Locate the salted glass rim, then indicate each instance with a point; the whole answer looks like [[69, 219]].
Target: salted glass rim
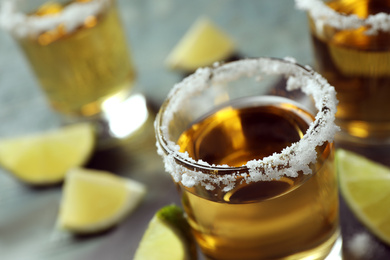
[[293, 159], [322, 14], [21, 25]]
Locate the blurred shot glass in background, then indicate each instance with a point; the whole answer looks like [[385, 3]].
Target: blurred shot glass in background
[[78, 52], [254, 164], [351, 41]]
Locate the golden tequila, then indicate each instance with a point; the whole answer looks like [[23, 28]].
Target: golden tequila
[[289, 218], [357, 64], [82, 68]]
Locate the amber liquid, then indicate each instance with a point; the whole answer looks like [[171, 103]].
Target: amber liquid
[[80, 70], [358, 66], [291, 218]]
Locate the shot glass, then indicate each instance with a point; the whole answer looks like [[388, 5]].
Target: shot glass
[[249, 145], [351, 42], [78, 52]]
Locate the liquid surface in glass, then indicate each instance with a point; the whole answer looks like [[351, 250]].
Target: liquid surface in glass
[[289, 218]]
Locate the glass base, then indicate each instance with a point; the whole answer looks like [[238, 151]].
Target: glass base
[[363, 133], [337, 249], [330, 250], [344, 138], [119, 120], [379, 152]]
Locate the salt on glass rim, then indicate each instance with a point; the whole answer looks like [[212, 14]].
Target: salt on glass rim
[[322, 14], [293, 159], [21, 25]]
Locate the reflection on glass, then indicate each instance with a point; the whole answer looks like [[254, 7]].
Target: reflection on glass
[[77, 50]]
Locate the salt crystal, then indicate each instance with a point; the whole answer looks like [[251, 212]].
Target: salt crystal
[[322, 15], [293, 159], [72, 16]]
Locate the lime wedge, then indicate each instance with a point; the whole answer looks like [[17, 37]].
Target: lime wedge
[[94, 201], [202, 45], [365, 185], [167, 237], [44, 158]]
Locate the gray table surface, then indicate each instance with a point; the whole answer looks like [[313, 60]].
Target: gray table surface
[[153, 27]]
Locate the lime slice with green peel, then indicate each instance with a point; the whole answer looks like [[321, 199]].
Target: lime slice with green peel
[[202, 45], [168, 237], [93, 201], [44, 158], [365, 185]]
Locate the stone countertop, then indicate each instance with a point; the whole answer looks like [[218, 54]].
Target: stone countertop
[[153, 27]]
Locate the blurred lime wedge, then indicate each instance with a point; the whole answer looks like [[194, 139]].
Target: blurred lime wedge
[[44, 158], [202, 45], [93, 201], [168, 237], [365, 185]]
